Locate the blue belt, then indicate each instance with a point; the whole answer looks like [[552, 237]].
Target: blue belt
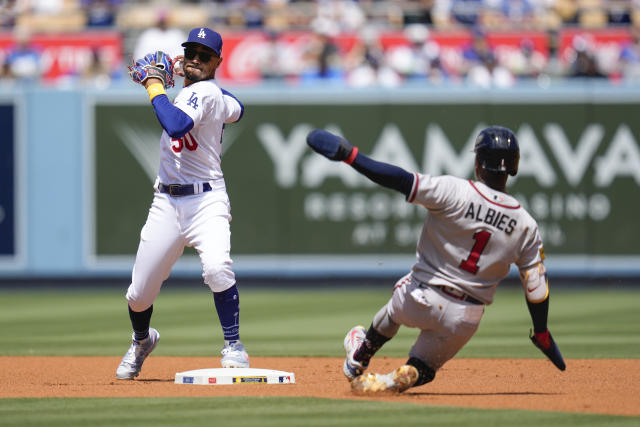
[[179, 190]]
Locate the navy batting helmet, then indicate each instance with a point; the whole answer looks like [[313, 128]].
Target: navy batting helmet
[[497, 150]]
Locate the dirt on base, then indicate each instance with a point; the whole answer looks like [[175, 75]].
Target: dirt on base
[[609, 386]]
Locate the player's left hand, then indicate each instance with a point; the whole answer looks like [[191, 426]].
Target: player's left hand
[[544, 341], [331, 146], [156, 65]]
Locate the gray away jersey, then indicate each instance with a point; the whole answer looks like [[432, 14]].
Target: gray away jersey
[[472, 235]]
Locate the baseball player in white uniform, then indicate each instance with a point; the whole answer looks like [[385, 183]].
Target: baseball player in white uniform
[[190, 205], [474, 231]]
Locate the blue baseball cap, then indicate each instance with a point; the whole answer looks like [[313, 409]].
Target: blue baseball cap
[[206, 37]]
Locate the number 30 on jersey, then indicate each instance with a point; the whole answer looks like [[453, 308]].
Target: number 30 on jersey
[[187, 141]]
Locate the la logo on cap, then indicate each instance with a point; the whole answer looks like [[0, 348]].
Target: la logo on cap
[[202, 34]]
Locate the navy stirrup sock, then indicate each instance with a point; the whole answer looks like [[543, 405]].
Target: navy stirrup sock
[[228, 308], [140, 321]]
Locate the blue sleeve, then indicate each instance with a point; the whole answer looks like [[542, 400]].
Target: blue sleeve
[[226, 92], [384, 174], [175, 121]]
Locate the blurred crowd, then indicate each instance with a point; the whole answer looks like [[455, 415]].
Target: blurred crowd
[[359, 43]]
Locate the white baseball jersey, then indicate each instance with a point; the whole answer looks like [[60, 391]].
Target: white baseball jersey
[[196, 156], [472, 235], [200, 221]]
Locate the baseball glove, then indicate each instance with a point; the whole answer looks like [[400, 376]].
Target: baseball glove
[[158, 65], [544, 341]]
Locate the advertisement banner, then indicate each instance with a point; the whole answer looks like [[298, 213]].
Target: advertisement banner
[[7, 178], [249, 57], [68, 54], [579, 173]]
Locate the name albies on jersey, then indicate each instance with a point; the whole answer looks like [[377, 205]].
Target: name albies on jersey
[[472, 235]]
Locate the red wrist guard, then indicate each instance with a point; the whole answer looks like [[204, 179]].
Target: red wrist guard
[[352, 156], [543, 338]]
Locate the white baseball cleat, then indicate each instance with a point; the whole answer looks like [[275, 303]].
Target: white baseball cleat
[[234, 355], [352, 341], [134, 357], [396, 381]]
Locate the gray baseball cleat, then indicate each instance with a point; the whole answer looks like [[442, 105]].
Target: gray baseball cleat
[[351, 367], [396, 381], [134, 357], [234, 355]]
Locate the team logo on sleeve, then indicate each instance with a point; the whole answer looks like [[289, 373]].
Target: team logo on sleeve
[[193, 101]]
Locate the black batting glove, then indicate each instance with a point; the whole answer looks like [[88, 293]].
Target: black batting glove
[[332, 146]]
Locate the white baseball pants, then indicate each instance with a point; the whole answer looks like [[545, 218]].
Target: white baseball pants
[[445, 324], [200, 221]]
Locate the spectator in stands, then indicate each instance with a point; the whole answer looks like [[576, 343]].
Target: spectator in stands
[[345, 15], [98, 72], [567, 10], [418, 12], [46, 7], [366, 64], [415, 61], [452, 13], [273, 59], [438, 73], [100, 13], [476, 52], [511, 13], [592, 13], [322, 58], [526, 62], [247, 14], [619, 12], [253, 17], [22, 63], [467, 12], [584, 63], [488, 73], [160, 37], [630, 56], [9, 11]]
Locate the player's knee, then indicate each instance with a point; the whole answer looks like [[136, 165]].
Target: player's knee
[[138, 302], [219, 277], [425, 373]]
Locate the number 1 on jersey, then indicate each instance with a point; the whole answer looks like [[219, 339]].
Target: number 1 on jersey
[[471, 263]]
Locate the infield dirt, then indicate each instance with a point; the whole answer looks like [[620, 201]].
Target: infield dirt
[[601, 386]]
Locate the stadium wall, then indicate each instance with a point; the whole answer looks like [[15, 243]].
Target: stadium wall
[[78, 167]]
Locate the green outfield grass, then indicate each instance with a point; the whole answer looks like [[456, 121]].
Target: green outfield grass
[[587, 323], [274, 411], [289, 322]]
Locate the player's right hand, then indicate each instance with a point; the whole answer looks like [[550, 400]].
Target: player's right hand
[[178, 63], [331, 146]]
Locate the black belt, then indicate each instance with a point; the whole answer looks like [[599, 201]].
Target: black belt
[[178, 190], [454, 293]]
